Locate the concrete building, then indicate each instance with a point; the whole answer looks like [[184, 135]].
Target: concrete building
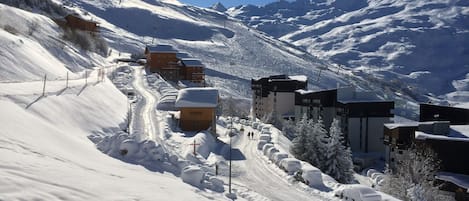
[[275, 95], [361, 114]]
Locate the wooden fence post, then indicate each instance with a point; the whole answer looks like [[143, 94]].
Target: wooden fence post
[[66, 84], [44, 86], [86, 77]]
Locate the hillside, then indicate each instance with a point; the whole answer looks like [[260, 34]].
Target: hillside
[[419, 46], [45, 150]]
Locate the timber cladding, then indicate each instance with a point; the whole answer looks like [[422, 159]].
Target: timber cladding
[[157, 61], [76, 22], [196, 119]]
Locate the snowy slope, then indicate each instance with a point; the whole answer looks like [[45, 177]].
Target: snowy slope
[[419, 46], [45, 153], [228, 48]]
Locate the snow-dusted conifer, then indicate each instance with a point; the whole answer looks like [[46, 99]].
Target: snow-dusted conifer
[[414, 176], [338, 158], [317, 143], [298, 148]]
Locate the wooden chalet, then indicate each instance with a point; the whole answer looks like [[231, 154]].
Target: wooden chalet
[[192, 70], [457, 116], [162, 59], [76, 22], [197, 108]]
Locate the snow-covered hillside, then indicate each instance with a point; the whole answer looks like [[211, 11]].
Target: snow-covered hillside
[[45, 153], [232, 53], [419, 46]]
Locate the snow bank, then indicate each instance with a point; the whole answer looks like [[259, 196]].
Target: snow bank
[[193, 175], [206, 144]]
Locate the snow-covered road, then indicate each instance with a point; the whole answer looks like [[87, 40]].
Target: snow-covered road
[[261, 176]]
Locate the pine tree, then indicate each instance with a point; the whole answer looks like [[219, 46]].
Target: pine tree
[[298, 148], [338, 158], [317, 144]]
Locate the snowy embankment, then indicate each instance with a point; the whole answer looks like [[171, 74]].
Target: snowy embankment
[[45, 153]]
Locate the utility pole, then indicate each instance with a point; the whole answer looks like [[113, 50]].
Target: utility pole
[[86, 77], [230, 134]]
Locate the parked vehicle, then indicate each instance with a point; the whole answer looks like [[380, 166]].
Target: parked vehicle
[[311, 176], [277, 157], [261, 144], [357, 192], [290, 165], [265, 137]]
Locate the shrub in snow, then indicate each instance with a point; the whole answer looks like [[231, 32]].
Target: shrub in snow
[[215, 184], [193, 175], [129, 148]]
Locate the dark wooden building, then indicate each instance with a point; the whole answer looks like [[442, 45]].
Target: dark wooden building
[[457, 116], [76, 22], [361, 116]]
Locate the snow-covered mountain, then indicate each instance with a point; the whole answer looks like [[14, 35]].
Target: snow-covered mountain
[[420, 45], [218, 7]]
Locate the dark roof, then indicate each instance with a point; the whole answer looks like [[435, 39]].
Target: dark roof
[[161, 49]]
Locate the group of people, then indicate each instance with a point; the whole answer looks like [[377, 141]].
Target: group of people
[[251, 135]]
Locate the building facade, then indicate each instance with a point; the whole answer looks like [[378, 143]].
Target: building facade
[[162, 59], [192, 70], [275, 95], [197, 108], [361, 115]]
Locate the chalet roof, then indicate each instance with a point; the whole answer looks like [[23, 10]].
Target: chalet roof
[[78, 16], [161, 49], [197, 98], [456, 133], [182, 55], [301, 78], [279, 78], [192, 62], [457, 179], [403, 124]]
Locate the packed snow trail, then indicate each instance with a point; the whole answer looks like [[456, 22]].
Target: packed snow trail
[[258, 174], [146, 111]]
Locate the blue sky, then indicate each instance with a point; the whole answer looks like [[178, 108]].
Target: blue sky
[[227, 3]]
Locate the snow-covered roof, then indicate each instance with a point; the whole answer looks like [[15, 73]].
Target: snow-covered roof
[[182, 55], [402, 124], [301, 78], [197, 98], [161, 49], [458, 179], [192, 62], [278, 78], [456, 133]]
